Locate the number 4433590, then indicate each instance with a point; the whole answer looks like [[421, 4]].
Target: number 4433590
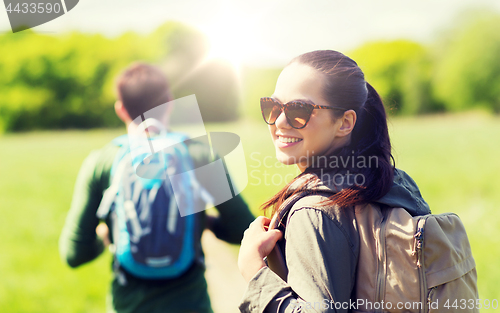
[[34, 8], [471, 304]]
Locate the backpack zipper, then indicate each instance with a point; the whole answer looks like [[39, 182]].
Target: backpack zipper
[[381, 259], [429, 296], [417, 250]]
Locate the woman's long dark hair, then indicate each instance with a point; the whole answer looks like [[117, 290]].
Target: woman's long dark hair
[[345, 87]]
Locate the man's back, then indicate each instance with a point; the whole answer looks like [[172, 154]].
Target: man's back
[[79, 243], [142, 89]]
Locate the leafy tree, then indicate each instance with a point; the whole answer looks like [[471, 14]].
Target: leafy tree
[[400, 71], [67, 81], [467, 68], [61, 82]]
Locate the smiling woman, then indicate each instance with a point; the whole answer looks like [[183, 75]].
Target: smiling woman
[[322, 109]]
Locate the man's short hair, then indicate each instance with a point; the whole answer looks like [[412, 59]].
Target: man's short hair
[[142, 87]]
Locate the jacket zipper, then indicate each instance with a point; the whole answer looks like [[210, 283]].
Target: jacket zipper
[[381, 260], [419, 242]]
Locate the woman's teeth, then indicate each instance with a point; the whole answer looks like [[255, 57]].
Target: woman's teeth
[[288, 139]]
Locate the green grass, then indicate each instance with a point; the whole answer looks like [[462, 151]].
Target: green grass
[[454, 159]]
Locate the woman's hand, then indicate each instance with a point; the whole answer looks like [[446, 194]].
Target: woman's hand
[[257, 243]]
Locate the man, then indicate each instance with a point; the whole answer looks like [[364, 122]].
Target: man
[[140, 88]]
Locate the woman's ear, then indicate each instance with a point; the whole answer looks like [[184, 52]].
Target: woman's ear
[[348, 122], [122, 113]]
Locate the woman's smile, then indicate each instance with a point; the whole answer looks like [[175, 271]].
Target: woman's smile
[[283, 141]]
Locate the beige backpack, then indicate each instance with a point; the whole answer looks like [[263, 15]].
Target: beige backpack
[[414, 264], [406, 264]]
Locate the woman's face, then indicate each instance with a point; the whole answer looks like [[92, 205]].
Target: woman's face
[[321, 135]]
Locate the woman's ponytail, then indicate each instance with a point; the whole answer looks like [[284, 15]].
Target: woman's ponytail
[[370, 141]]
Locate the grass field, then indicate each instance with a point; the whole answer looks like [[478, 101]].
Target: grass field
[[454, 159]]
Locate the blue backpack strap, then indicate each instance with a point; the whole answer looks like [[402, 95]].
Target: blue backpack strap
[[123, 143], [109, 195]]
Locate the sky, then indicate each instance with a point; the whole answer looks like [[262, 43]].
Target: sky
[[269, 32]]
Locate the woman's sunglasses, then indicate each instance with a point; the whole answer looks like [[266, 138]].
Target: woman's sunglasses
[[297, 113]]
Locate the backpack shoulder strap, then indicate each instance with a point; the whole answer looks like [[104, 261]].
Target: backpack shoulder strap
[[276, 259], [120, 140], [118, 164], [305, 199]]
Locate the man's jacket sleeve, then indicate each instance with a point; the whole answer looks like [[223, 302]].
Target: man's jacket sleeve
[[78, 243]]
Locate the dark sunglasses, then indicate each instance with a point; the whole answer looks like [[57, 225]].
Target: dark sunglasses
[[297, 112]]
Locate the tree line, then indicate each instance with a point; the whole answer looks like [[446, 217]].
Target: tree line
[[66, 81], [458, 70]]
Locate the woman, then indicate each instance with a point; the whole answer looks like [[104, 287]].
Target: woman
[[334, 129]]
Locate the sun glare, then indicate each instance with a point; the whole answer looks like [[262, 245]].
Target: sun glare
[[232, 38]]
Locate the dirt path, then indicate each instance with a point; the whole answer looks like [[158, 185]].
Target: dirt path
[[225, 284]]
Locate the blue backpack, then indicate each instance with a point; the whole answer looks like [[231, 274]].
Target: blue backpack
[[151, 238]]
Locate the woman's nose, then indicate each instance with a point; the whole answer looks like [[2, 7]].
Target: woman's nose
[[281, 121]]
